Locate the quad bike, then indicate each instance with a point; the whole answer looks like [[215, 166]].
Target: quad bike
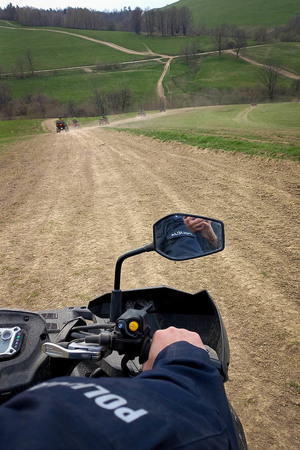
[[103, 120], [141, 113], [111, 336], [61, 125]]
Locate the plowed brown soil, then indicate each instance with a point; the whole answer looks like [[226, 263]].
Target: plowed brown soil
[[71, 203]]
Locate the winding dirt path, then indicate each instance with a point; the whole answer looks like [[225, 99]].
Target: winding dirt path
[[159, 89], [281, 72], [71, 203]]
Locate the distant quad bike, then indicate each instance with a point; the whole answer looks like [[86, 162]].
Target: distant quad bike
[[141, 113], [61, 125], [103, 120], [75, 124]]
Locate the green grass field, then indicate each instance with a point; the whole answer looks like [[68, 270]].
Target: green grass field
[[78, 85], [65, 50], [163, 45], [254, 12], [69, 51], [223, 73], [286, 53], [268, 129], [16, 130]]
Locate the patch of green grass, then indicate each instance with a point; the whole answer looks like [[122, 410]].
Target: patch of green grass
[[250, 121], [167, 45], [9, 23], [65, 50], [123, 38], [226, 72], [78, 85], [276, 116], [14, 130], [31, 297], [259, 130], [285, 53], [239, 12], [295, 387], [227, 144], [20, 128], [174, 45]]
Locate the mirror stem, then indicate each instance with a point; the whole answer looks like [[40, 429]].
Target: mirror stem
[[116, 295]]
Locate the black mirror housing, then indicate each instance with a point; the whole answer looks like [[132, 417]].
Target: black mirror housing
[[186, 236]]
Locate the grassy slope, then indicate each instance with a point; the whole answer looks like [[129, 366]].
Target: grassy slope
[[269, 130], [286, 53], [281, 117], [65, 51], [241, 12], [76, 51], [166, 45], [78, 86], [15, 130], [223, 73], [226, 72]]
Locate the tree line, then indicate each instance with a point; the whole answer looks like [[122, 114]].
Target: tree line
[[41, 105], [173, 21]]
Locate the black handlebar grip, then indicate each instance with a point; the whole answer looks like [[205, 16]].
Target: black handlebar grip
[[145, 350]]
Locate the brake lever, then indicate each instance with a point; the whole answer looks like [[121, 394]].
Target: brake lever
[[74, 351]]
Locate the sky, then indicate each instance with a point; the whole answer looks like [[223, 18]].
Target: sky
[[99, 5]]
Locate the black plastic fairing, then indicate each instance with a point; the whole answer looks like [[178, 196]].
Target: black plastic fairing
[[171, 307]]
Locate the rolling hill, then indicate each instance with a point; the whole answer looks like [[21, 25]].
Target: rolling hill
[[267, 13]]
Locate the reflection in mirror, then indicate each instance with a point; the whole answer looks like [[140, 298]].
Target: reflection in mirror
[[186, 236]]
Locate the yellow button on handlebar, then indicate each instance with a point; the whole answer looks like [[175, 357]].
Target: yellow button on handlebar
[[133, 326]]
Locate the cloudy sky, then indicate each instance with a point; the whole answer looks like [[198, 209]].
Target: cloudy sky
[[99, 5]]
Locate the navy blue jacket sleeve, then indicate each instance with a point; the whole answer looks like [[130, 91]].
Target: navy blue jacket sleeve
[[179, 404]]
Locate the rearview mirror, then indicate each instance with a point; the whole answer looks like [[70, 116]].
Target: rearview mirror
[[186, 236]]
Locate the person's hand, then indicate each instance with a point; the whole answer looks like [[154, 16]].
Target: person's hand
[[163, 338], [203, 226]]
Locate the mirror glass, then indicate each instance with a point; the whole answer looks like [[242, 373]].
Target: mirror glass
[[187, 236]]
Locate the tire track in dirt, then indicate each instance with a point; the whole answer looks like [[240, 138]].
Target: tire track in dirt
[[242, 117]]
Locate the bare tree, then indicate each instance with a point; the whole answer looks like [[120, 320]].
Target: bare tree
[[269, 76], [218, 38], [41, 100], [260, 35], [126, 98], [149, 20], [190, 51], [100, 100], [161, 21], [136, 17], [185, 17], [8, 13], [172, 20], [19, 68], [72, 108], [29, 57], [5, 100], [240, 40]]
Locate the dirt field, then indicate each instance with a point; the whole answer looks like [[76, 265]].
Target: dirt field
[[71, 203]]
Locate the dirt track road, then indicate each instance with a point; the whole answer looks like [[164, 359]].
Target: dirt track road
[[71, 203]]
